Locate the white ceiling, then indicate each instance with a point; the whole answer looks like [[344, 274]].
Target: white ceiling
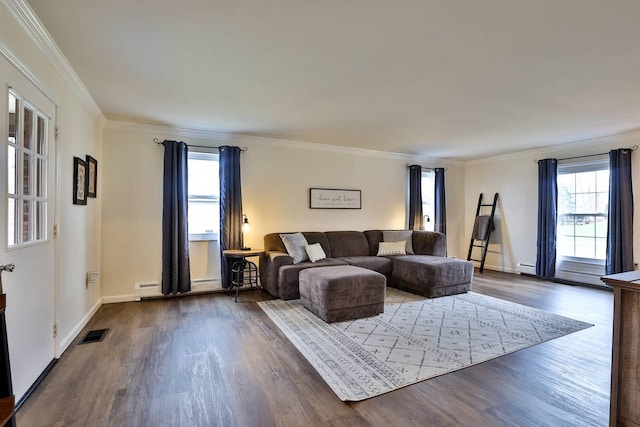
[[443, 78]]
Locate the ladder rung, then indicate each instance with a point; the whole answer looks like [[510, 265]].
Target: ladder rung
[[478, 246], [473, 259]]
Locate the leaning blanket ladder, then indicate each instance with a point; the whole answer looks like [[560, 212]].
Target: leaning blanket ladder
[[482, 228]]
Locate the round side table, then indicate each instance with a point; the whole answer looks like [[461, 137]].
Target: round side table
[[243, 272]]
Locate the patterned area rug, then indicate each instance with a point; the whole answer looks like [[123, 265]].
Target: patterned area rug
[[414, 339]]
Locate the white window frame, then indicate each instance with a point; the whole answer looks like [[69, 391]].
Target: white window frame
[[19, 197], [203, 237], [570, 262], [428, 198]]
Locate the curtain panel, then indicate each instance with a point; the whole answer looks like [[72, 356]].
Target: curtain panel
[[620, 225], [176, 275], [440, 204], [547, 217], [230, 208], [415, 198]]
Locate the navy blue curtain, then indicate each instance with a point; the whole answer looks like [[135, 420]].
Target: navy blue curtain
[[176, 275], [230, 208], [415, 198], [439, 203], [620, 226], [547, 217]]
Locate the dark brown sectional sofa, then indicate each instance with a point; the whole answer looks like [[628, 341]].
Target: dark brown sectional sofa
[[427, 272]]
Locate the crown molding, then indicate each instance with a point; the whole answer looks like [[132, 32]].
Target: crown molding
[[161, 131], [24, 70], [568, 149], [31, 25]]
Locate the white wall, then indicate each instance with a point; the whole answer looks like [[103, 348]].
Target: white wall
[[515, 178], [80, 133], [276, 177]]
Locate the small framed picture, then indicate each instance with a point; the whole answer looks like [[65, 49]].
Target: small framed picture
[[92, 176], [79, 181]]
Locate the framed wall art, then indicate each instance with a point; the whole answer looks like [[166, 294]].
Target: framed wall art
[[331, 198], [79, 181], [92, 176]]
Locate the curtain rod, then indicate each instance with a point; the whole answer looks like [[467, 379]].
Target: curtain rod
[[634, 148], [158, 142], [424, 167]]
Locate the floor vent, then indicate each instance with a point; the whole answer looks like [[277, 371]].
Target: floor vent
[[94, 336]]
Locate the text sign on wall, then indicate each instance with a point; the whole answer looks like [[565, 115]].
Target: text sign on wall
[[329, 198]]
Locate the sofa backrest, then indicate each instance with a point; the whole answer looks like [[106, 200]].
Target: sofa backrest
[[273, 242], [356, 243], [374, 237], [429, 243], [424, 242], [347, 243]]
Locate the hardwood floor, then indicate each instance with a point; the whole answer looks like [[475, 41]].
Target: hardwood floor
[[207, 361]]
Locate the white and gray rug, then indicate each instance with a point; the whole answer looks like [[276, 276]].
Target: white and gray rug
[[414, 339]]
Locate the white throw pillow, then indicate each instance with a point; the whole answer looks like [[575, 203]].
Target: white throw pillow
[[295, 244], [392, 248], [396, 236], [315, 252]]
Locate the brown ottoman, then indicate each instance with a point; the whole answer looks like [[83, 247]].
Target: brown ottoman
[[342, 292], [431, 276]]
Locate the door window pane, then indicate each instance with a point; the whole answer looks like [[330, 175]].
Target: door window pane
[[13, 118], [40, 178], [26, 220], [42, 135], [12, 169], [28, 134], [26, 174], [26, 167], [12, 225], [41, 215]]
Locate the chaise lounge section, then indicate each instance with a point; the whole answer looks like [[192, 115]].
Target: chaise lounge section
[[426, 272]]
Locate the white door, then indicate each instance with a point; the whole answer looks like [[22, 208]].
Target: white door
[[27, 178]]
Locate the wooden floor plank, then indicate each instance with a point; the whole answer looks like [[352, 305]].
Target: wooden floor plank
[[207, 361]]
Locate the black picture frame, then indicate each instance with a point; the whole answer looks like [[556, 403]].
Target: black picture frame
[[79, 181], [334, 198], [92, 177]]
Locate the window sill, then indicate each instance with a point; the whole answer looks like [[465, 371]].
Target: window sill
[[203, 237], [578, 260]]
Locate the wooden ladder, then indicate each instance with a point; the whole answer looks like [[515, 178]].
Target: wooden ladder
[[482, 228]]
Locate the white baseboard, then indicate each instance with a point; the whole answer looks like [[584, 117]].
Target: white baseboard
[[119, 298], [66, 341], [497, 268]]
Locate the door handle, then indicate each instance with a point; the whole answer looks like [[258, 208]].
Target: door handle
[[3, 268]]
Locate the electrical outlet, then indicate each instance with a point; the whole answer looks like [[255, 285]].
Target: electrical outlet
[[92, 277]]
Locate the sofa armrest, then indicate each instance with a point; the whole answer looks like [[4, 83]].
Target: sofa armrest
[[270, 263], [429, 243]]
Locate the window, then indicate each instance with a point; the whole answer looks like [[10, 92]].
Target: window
[[583, 198], [26, 173], [428, 210], [204, 196]]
